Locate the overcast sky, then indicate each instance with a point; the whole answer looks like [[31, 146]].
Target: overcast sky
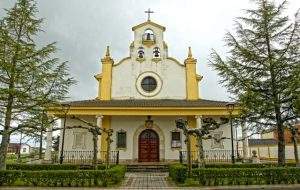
[[83, 28]]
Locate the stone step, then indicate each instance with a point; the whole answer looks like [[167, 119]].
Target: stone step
[[147, 168]]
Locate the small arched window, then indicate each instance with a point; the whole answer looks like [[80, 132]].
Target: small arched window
[[148, 35], [156, 52], [141, 52]]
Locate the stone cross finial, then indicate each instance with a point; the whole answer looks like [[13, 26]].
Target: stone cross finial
[[107, 54], [190, 53], [149, 12]]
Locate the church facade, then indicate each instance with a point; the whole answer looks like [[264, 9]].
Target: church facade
[[139, 98]]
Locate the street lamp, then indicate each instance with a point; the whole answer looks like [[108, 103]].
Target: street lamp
[[230, 108], [65, 109]]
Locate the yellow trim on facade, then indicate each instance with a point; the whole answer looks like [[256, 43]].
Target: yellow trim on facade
[[192, 79], [105, 125], [144, 111], [192, 124], [104, 87]]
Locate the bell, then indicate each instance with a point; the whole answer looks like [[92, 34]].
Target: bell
[[148, 36], [141, 54]]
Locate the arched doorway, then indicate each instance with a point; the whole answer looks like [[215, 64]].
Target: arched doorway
[[148, 146]]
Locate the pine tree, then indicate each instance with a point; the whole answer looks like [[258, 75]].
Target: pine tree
[[262, 68], [30, 77]]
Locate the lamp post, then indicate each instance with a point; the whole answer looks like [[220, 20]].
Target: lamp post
[[237, 143], [65, 108], [230, 108]]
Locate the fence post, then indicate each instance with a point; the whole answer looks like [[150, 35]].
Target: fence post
[[117, 160], [180, 157]]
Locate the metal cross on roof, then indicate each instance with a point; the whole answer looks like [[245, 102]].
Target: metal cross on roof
[[149, 12]]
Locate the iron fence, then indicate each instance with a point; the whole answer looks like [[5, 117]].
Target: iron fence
[[86, 157], [211, 156]]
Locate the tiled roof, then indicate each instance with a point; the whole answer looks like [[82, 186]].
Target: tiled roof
[[255, 142], [148, 103]]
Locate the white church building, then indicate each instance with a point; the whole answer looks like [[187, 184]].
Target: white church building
[[139, 98]]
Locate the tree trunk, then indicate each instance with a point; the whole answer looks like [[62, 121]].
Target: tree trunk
[[281, 145], [6, 133], [201, 152], [95, 141], [41, 145], [3, 149], [189, 159]]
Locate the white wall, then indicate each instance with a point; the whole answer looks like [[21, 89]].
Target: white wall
[[134, 125], [272, 151], [69, 135], [171, 73]]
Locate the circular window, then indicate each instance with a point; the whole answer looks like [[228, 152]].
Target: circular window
[[149, 84]]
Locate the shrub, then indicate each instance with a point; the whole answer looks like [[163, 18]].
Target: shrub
[[62, 178], [264, 165], [246, 176], [178, 172], [42, 167]]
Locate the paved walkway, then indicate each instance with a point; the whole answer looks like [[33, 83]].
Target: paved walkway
[[145, 181]]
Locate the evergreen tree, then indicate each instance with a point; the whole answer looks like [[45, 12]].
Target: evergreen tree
[[262, 68], [30, 78]]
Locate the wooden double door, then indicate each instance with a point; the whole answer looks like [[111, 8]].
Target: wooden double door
[[148, 146]]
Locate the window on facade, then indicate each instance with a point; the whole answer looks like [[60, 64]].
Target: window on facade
[[121, 139], [78, 140], [217, 140], [175, 139], [156, 52], [24, 149], [149, 84], [141, 52]]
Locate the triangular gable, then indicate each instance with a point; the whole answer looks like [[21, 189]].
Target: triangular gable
[[148, 22]]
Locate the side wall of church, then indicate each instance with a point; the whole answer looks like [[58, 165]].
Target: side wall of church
[[85, 138]]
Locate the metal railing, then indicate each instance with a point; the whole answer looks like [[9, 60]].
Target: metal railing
[[210, 156], [85, 157]]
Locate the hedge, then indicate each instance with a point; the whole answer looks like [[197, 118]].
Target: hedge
[[178, 172], [61, 178], [248, 165], [246, 176], [35, 167]]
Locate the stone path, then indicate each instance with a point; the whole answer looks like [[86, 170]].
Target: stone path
[[147, 180]]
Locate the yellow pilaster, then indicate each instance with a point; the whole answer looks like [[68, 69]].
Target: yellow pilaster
[[105, 78], [192, 91], [104, 136], [194, 148]]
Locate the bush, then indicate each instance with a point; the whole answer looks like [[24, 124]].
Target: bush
[[246, 176], [264, 165], [178, 172], [69, 178], [42, 167]]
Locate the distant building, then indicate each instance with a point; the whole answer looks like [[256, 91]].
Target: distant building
[[15, 148], [267, 146]]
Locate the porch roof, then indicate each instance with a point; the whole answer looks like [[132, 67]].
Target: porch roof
[[160, 107], [148, 103]]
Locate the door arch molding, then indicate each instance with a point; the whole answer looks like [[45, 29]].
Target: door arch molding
[[161, 136]]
